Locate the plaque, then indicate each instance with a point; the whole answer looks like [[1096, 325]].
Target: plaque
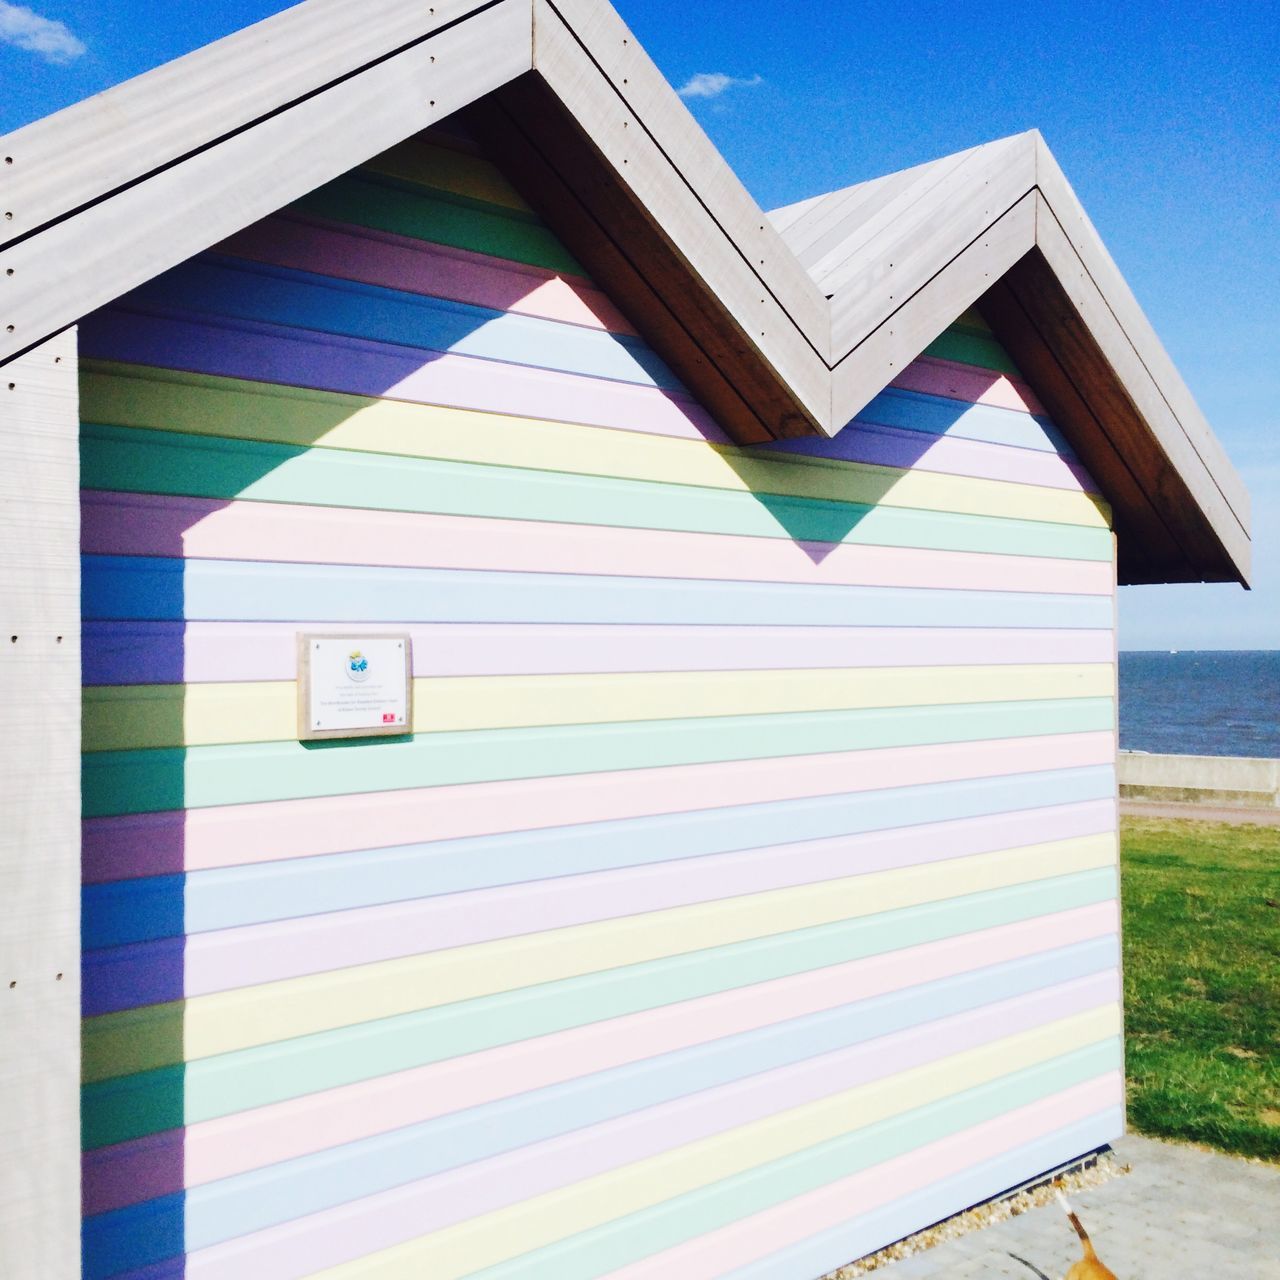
[[354, 686]]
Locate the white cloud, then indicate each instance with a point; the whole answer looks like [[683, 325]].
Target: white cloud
[[51, 40], [711, 84]]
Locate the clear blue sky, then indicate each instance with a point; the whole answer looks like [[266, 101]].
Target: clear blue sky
[[1165, 116]]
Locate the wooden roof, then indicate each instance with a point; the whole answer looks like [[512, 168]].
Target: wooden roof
[[783, 324]]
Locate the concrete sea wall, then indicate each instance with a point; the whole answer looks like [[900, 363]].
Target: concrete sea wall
[[1224, 780]]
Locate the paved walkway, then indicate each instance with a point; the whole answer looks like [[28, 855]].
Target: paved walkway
[[1181, 1213], [1235, 816]]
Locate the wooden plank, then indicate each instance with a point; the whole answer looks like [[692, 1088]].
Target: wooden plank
[[1145, 537], [917, 320], [605, 40], [615, 257], [631, 170], [64, 272], [914, 244], [1087, 335], [80, 154], [40, 803], [1076, 227]]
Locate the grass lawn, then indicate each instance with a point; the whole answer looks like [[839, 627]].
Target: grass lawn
[[1202, 982]]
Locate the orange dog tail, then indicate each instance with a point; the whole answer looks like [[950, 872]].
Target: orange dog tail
[[1079, 1226]]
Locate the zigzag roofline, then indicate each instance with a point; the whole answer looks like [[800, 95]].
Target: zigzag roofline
[[785, 325]]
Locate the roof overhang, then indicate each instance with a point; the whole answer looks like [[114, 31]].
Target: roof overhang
[[783, 326]]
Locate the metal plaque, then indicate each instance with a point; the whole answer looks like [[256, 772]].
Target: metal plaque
[[354, 686]]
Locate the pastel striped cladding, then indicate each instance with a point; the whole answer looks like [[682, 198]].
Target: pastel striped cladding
[[752, 852]]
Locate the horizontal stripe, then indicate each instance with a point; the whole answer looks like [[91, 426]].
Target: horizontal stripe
[[398, 262], [118, 1044], [191, 841], [117, 1110], [136, 717], [461, 1242], [442, 168], [968, 347], [279, 295], [136, 459], [205, 1152], [938, 377], [937, 415], [160, 526], [302, 357], [795, 842], [737, 1082], [484, 227], [264, 412], [175, 778], [899, 447], [158, 652], [140, 587], [942, 1199]]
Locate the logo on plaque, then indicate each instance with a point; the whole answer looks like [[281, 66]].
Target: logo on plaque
[[357, 666]]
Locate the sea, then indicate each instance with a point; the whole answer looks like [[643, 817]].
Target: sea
[[1201, 702]]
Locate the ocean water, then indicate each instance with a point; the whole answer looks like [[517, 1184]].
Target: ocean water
[[1201, 703]]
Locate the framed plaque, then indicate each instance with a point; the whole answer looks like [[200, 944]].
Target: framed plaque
[[354, 685]]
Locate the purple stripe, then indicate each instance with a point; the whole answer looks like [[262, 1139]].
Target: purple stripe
[[893, 447]]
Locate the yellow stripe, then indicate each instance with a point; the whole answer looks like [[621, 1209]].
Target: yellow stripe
[[139, 1039], [112, 395], [128, 717], [507, 1233], [444, 169]]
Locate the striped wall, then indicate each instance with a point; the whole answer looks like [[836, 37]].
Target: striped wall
[[745, 894]]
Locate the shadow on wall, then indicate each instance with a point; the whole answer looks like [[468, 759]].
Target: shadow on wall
[[164, 462]]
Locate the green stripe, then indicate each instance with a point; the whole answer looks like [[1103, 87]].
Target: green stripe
[[114, 1110], [968, 346], [146, 781], [460, 221], [616, 1244], [147, 461]]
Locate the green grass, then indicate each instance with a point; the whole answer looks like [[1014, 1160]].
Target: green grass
[[1202, 982]]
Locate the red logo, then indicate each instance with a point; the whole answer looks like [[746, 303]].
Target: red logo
[[388, 717]]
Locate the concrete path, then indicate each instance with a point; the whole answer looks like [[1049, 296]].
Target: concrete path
[[1182, 1214], [1233, 815]]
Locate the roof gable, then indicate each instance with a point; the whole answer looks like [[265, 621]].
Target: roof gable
[[783, 325]]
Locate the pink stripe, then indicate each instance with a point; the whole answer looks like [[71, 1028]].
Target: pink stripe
[[201, 528], [152, 1166], [790, 1223], [416, 266], [380, 1221], [938, 377], [246, 955], [163, 843]]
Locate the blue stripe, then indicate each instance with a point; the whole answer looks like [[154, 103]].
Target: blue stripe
[[127, 911], [282, 295], [156, 588], [235, 1206], [938, 415]]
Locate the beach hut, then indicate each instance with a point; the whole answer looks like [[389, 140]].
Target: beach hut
[[584, 711]]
